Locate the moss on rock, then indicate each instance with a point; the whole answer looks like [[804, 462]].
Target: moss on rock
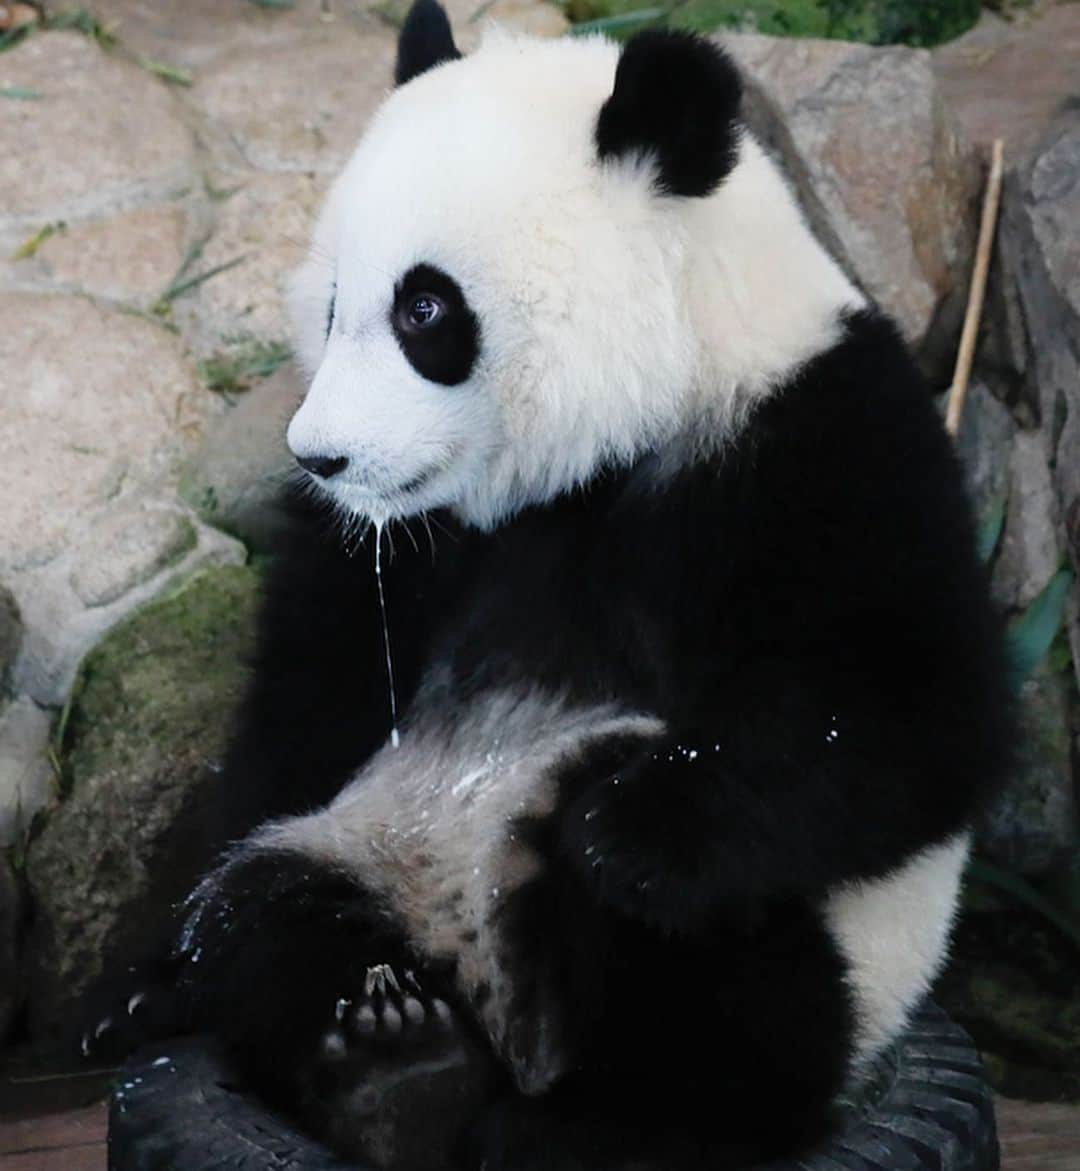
[[141, 744]]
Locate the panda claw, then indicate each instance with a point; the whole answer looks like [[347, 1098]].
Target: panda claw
[[390, 1011]]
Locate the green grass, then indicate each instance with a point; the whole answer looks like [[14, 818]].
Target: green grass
[[914, 22], [166, 72], [81, 20], [234, 371], [32, 243], [184, 281]]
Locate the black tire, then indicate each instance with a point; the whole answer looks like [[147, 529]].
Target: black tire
[[925, 1107]]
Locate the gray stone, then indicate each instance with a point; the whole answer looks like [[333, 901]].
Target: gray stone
[[1032, 828], [985, 445], [10, 931], [10, 636], [1010, 78], [128, 257], [145, 737], [192, 34], [233, 480], [896, 186], [266, 220], [98, 430], [104, 135], [298, 107], [1031, 343], [126, 548], [84, 424], [27, 782], [1052, 198], [1029, 554], [61, 629]]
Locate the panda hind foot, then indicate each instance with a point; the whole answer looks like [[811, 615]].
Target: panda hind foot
[[388, 1012]]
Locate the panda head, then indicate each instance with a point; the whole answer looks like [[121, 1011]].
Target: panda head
[[538, 263]]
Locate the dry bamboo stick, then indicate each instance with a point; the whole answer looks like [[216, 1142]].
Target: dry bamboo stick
[[977, 293]]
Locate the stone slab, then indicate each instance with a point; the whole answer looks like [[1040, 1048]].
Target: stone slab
[[85, 423], [295, 107], [896, 184], [128, 257], [266, 220], [104, 135], [1011, 78], [27, 783]]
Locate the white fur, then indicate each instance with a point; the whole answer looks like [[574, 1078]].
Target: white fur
[[894, 933], [612, 318]]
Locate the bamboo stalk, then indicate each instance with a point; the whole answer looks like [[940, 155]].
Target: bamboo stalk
[[977, 293]]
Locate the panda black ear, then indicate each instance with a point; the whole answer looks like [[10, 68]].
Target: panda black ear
[[425, 41], [676, 97]]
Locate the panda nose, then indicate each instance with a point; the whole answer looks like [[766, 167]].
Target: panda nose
[[323, 466]]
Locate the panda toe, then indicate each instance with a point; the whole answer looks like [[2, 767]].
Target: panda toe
[[389, 1012]]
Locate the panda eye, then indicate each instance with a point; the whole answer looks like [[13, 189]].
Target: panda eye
[[424, 310], [433, 324]]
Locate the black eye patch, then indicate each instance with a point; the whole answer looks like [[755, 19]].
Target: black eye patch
[[434, 326]]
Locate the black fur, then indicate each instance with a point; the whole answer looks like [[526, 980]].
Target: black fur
[[807, 614], [261, 930], [676, 98], [425, 41], [446, 350]]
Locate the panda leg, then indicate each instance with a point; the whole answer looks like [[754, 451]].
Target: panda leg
[[725, 1047]]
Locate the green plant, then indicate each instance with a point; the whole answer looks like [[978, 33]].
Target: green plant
[[925, 22], [183, 283], [1031, 634], [230, 372]]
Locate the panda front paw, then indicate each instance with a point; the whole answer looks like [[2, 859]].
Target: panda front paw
[[123, 1014], [387, 1013], [640, 841]]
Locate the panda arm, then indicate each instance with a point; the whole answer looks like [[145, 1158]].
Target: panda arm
[[837, 698]]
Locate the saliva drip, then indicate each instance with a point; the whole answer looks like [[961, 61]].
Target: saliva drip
[[395, 739]]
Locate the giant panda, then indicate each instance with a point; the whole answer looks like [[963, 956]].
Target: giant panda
[[627, 683]]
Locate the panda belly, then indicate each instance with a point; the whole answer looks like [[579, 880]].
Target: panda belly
[[430, 828]]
